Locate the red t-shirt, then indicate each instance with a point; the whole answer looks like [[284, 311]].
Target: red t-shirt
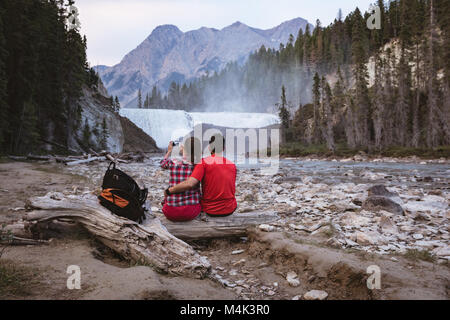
[[218, 177]]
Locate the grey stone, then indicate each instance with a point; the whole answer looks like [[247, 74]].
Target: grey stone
[[380, 190], [378, 203], [315, 295]]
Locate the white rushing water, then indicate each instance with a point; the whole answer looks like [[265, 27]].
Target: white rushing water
[[166, 125]]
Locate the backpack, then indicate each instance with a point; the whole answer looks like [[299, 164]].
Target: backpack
[[122, 195]]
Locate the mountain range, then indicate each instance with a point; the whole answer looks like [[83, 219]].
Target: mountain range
[[168, 54]]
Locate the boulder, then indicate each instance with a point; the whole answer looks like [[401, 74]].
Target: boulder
[[378, 203], [288, 180], [380, 190], [135, 139]]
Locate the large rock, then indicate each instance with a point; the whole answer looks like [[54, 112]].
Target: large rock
[[380, 190], [136, 140], [378, 203]]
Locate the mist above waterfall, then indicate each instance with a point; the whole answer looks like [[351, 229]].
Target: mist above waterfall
[[252, 87]]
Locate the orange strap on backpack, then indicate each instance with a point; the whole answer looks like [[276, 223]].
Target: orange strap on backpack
[[109, 196]]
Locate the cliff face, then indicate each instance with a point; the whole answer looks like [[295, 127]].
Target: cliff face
[[100, 128], [97, 117]]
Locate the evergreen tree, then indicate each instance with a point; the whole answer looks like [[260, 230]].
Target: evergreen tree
[[116, 104], [28, 134], [283, 111], [173, 96], [3, 83], [146, 102], [327, 115], [360, 73], [339, 15], [378, 103], [43, 68], [104, 135], [433, 121], [139, 99], [86, 135], [316, 128]]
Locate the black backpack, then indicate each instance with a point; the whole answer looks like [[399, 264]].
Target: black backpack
[[122, 195]]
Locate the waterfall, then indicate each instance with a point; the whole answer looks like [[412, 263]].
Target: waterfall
[[166, 125]]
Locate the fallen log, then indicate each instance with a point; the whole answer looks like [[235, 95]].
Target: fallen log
[[38, 158], [151, 244], [17, 158], [136, 157], [72, 163], [26, 242], [30, 157], [63, 160], [116, 160], [205, 227]]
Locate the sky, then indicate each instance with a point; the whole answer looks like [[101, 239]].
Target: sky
[[115, 27]]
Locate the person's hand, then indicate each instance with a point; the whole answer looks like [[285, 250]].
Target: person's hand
[[170, 147]]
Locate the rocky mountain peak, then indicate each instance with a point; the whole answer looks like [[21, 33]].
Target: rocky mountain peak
[[168, 54]]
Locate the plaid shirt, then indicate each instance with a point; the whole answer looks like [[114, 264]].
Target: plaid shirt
[[180, 171]]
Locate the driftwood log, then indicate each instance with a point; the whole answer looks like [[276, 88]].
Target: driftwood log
[[205, 227], [72, 163], [157, 242], [150, 244], [116, 160]]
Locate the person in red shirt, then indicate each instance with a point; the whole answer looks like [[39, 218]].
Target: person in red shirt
[[217, 175]]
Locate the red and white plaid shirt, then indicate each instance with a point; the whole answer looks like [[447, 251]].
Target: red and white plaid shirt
[[180, 171]]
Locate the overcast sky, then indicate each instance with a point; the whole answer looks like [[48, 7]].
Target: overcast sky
[[115, 27]]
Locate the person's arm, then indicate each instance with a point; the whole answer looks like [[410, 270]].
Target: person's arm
[[165, 163], [186, 185], [190, 183]]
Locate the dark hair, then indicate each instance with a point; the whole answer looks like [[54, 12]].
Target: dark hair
[[216, 146], [193, 149]]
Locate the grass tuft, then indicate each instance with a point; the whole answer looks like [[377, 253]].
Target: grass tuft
[[16, 281], [416, 254]]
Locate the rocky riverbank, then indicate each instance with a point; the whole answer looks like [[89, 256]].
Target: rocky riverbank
[[396, 210], [381, 206]]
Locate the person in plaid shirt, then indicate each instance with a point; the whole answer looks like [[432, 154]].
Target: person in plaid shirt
[[182, 206]]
